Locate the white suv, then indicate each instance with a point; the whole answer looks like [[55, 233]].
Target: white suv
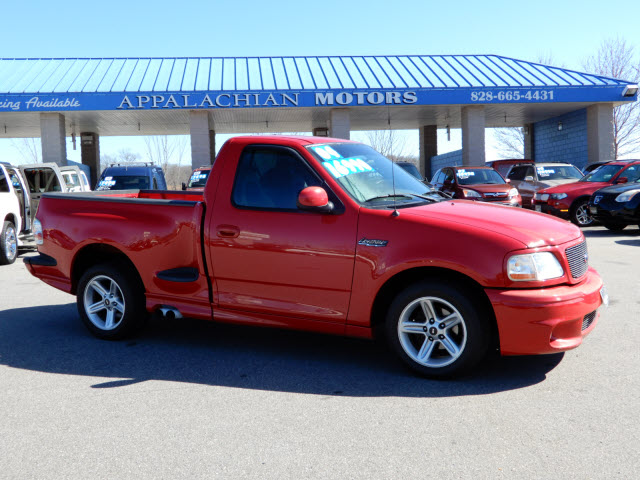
[[14, 212]]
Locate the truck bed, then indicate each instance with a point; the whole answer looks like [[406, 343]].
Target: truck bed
[[159, 232]]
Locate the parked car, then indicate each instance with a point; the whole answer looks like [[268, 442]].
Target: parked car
[[317, 234], [592, 166], [198, 179], [75, 176], [617, 206], [411, 169], [476, 183], [14, 212], [571, 201], [503, 166], [132, 176], [530, 178]]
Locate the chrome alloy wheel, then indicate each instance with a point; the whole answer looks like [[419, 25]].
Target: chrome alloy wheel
[[432, 332], [104, 302], [10, 242], [583, 216]]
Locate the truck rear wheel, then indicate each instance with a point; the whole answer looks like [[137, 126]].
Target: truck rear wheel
[[110, 302], [8, 243], [437, 329]]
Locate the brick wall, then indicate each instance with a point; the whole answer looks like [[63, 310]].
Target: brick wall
[[566, 145], [451, 159]]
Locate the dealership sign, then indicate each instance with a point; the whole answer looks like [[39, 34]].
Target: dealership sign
[[327, 98]]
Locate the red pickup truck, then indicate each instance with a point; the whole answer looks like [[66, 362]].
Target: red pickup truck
[[324, 235]]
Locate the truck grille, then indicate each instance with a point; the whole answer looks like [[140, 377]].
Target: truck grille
[[578, 259], [588, 320]]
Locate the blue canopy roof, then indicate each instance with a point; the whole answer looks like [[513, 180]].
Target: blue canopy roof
[[253, 74]]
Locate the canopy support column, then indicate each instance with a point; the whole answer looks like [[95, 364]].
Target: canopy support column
[[53, 138], [203, 139], [473, 122]]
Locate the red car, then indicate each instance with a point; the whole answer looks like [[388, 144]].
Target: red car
[[571, 200], [325, 235], [476, 183]]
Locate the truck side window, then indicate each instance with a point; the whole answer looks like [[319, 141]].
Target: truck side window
[[271, 178]]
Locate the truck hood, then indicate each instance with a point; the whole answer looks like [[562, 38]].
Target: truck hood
[[530, 228]]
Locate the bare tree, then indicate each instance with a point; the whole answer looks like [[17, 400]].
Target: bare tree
[[167, 152], [387, 142], [28, 148], [509, 141], [616, 59], [124, 155]]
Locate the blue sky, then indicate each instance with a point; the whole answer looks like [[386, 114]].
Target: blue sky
[[567, 31]]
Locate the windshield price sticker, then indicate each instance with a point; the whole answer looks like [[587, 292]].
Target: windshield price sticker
[[511, 96], [107, 183], [347, 166], [545, 172], [326, 152], [462, 174], [198, 176]]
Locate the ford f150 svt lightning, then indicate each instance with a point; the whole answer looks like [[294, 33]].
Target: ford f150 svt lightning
[[324, 235]]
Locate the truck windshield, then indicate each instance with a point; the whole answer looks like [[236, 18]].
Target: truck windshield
[[124, 182], [199, 178], [602, 174], [366, 175]]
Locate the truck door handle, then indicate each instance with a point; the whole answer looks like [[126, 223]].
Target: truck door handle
[[227, 231]]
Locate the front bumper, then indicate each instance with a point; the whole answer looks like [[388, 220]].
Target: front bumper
[[610, 211], [559, 210], [546, 320]]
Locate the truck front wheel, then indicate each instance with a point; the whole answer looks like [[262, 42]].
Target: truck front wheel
[[110, 303], [437, 329], [8, 243]]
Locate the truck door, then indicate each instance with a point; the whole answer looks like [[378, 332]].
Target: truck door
[[21, 192], [41, 179], [268, 256]]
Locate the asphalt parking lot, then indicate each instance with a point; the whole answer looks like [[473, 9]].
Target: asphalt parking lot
[[201, 400]]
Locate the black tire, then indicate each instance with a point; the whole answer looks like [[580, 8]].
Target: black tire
[[467, 329], [615, 227], [579, 213], [121, 311], [8, 243]]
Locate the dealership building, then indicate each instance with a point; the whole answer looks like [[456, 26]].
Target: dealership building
[[566, 115]]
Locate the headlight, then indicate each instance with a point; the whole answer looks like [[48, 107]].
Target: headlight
[[541, 196], [513, 192], [470, 193], [37, 232], [626, 196], [558, 196], [534, 266]]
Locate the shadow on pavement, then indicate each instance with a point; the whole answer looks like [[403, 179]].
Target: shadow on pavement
[[595, 232], [52, 339]]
